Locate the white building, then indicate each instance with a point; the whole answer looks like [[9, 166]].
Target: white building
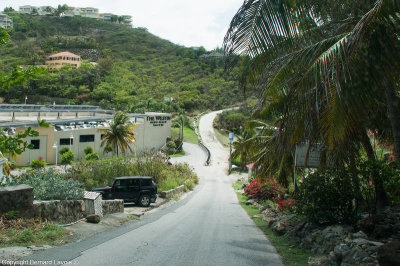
[[151, 130], [6, 21]]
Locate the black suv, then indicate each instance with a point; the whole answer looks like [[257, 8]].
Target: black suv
[[137, 189]]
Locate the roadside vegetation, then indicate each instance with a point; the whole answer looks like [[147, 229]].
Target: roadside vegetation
[[291, 255], [16, 231], [102, 172]]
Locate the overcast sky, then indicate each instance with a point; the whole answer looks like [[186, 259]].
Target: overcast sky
[[184, 22]]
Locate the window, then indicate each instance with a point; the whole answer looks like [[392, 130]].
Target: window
[[146, 182], [36, 144], [86, 138], [66, 141]]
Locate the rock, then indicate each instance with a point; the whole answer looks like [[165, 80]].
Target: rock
[[263, 208], [93, 218], [319, 260], [360, 234], [269, 220], [341, 251], [279, 228], [250, 202], [389, 253]]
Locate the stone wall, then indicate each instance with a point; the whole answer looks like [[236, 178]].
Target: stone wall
[[18, 198], [60, 211], [169, 193], [112, 206]]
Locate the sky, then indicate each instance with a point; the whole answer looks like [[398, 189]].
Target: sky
[[184, 22]]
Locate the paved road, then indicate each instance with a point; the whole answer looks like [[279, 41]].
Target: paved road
[[208, 227]]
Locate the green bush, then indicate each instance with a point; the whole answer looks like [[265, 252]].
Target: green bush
[[327, 196], [38, 163], [64, 150], [98, 173], [92, 156], [67, 158], [171, 147], [49, 185], [88, 150]]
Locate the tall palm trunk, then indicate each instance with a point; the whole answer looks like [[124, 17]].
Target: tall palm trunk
[[380, 194], [392, 103]]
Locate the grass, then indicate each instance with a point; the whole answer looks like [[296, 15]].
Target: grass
[[222, 138], [182, 153], [291, 255], [188, 135], [28, 232]]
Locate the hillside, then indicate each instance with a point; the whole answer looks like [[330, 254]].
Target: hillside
[[134, 68]]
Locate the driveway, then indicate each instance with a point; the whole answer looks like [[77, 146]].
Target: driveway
[[208, 227]]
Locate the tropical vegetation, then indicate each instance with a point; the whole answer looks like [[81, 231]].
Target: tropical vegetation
[[328, 75], [119, 135], [123, 68]]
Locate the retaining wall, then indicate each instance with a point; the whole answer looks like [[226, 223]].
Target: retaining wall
[[60, 211], [112, 206], [169, 193], [17, 198]]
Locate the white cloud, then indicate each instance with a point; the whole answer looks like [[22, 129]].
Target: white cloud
[[184, 22]]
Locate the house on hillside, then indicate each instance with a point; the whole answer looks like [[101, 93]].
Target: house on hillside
[[64, 58], [6, 21]]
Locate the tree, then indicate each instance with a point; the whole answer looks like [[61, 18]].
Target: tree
[[316, 56], [119, 135], [328, 66], [60, 10]]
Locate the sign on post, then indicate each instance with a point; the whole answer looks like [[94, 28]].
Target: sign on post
[[308, 155], [231, 136]]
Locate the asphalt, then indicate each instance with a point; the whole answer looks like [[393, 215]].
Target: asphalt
[[207, 227]]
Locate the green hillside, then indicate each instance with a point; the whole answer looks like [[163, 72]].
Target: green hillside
[[134, 69]]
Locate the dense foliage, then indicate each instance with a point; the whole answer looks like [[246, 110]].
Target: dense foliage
[[49, 185], [98, 173], [132, 67], [233, 120], [327, 196]]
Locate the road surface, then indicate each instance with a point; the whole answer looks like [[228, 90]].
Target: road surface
[[208, 227]]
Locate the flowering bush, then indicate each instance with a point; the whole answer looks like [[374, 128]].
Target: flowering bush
[[38, 163], [287, 205], [265, 190]]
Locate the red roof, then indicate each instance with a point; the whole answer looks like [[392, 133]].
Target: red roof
[[250, 165], [65, 54]]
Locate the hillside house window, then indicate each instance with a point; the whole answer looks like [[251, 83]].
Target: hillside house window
[[36, 144], [86, 138]]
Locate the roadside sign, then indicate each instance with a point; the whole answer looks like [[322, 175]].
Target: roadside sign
[[231, 136], [307, 155]]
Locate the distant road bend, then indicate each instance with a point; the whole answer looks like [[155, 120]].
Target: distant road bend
[[208, 227]]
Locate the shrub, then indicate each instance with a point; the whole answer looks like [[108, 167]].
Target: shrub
[[92, 156], [67, 157], [64, 150], [38, 163], [49, 185], [98, 173], [326, 197], [265, 190], [88, 150], [171, 147]]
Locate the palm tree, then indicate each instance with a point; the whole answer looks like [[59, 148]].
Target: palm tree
[[119, 135], [333, 64]]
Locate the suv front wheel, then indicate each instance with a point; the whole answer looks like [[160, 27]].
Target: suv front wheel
[[144, 200]]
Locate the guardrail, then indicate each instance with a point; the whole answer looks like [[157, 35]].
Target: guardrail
[[207, 151], [196, 131]]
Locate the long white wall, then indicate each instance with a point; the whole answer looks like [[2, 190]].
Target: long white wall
[[151, 133]]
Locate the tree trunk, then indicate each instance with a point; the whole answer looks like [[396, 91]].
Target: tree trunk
[[392, 103], [380, 194]]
